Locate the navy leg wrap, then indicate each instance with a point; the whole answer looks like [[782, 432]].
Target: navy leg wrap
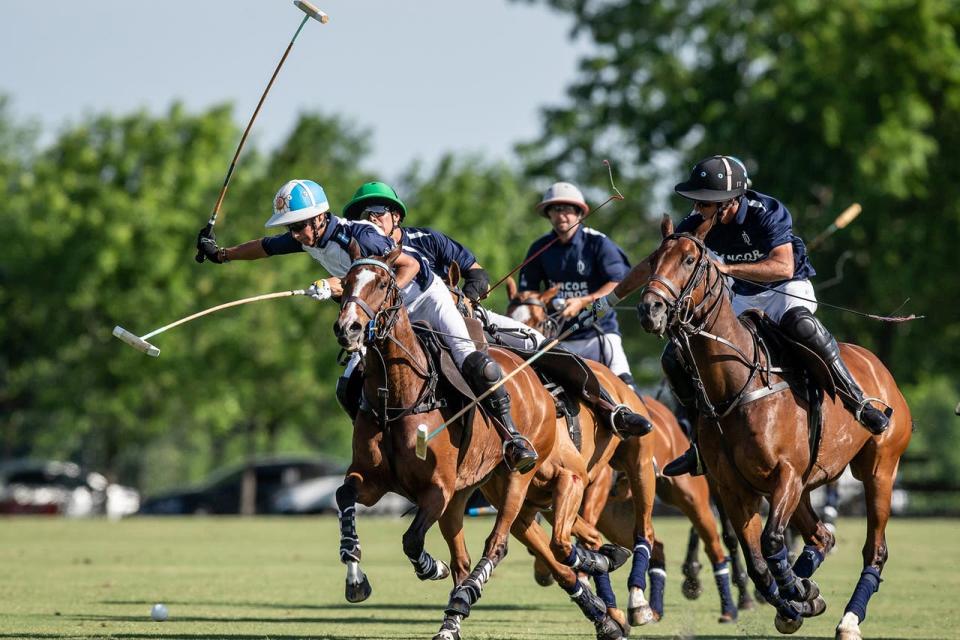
[[605, 590], [349, 541], [592, 606], [808, 561], [782, 572], [641, 560], [867, 585], [470, 590], [658, 584], [721, 575]]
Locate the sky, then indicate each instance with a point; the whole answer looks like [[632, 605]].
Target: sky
[[426, 76]]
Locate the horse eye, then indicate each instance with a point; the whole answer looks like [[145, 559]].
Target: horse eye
[[689, 260], [382, 285]]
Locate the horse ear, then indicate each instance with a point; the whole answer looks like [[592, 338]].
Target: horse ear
[[391, 256], [704, 228], [549, 294], [354, 250], [666, 225], [511, 288], [453, 274]]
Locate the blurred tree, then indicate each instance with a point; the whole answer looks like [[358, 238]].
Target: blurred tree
[[827, 102]]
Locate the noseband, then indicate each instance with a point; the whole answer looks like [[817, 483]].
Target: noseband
[[681, 310], [385, 317]]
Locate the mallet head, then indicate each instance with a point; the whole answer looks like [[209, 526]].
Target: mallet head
[[135, 341], [422, 441], [312, 11]]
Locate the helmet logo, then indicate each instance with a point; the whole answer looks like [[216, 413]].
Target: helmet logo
[[282, 202], [703, 174]]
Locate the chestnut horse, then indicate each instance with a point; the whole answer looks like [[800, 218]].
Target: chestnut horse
[[758, 445], [467, 454], [617, 521]]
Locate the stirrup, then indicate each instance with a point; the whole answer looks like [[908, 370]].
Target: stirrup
[[530, 447], [622, 408], [677, 467], [888, 411]]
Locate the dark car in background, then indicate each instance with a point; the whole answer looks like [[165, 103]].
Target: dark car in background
[[51, 487], [221, 493]]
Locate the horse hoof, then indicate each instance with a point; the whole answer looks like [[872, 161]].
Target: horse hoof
[[618, 555], [543, 579], [745, 602], [849, 627], [358, 591], [727, 617], [814, 607], [620, 618], [608, 629], [443, 571], [447, 634], [692, 588], [640, 616], [786, 625]]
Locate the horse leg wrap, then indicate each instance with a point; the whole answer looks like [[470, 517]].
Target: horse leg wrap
[[867, 585], [349, 541], [641, 560], [427, 568], [721, 575], [808, 561], [470, 590], [605, 590], [787, 581], [658, 584], [593, 607]]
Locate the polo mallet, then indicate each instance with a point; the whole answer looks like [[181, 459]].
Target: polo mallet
[[845, 218], [616, 196], [319, 16], [424, 436], [140, 342]]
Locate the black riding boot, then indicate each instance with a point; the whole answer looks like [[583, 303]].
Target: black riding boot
[[482, 372], [621, 418], [801, 325], [685, 394]]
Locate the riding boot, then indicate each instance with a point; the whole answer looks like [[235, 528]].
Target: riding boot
[[801, 325], [679, 380], [622, 420], [482, 372]]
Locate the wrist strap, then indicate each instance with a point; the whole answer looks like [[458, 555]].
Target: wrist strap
[[613, 299]]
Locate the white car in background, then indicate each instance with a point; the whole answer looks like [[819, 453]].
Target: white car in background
[[62, 488], [319, 495]]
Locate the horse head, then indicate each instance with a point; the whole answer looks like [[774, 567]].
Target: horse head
[[685, 285], [371, 299], [532, 308]]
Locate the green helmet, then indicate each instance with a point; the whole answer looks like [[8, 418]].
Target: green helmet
[[373, 193]]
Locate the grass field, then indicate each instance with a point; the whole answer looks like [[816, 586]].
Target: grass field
[[233, 579]]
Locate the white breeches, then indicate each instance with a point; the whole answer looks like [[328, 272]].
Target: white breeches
[[774, 303], [519, 335], [436, 307], [606, 349]]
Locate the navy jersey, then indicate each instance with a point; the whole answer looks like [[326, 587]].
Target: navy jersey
[[762, 223], [439, 249], [332, 251], [580, 267]]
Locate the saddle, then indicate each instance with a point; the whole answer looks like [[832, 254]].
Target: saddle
[[807, 374]]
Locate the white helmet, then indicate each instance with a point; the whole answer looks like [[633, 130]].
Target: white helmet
[[562, 193], [296, 201]]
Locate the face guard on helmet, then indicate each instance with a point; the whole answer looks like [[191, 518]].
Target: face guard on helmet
[[296, 201], [715, 179], [373, 194], [562, 193]]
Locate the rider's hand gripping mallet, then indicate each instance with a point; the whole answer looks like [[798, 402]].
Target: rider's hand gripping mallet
[[140, 342], [312, 12]]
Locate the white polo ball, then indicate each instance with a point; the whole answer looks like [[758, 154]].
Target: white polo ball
[[159, 612]]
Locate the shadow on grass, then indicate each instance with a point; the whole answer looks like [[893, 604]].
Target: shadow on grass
[[439, 606], [333, 636]]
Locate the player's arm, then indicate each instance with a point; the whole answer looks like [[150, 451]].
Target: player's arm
[[778, 265]]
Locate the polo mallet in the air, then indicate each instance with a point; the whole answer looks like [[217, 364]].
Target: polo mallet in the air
[[845, 218], [616, 196], [319, 16], [140, 342], [423, 436]]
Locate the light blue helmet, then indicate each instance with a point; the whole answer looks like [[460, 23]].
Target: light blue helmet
[[296, 201]]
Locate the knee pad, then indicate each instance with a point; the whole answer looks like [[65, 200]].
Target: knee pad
[[481, 368], [800, 324]]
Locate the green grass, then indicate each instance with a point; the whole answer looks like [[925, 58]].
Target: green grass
[[235, 579]]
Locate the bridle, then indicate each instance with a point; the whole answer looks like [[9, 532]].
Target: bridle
[[681, 310], [379, 329], [549, 326]]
